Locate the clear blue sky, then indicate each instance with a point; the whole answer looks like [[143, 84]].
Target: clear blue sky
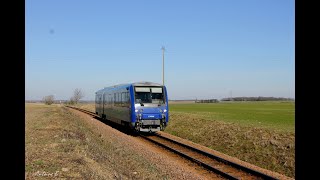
[[214, 48]]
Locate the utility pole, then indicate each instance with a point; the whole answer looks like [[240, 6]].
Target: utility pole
[[163, 49]]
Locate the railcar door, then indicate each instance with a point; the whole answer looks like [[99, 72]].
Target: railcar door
[[99, 105], [104, 104]]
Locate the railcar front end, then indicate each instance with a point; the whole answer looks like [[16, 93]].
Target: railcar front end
[[150, 108]]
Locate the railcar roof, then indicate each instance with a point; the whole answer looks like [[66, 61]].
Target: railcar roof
[[141, 83], [145, 83]]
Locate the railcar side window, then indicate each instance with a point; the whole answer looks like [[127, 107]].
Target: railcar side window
[[128, 98]]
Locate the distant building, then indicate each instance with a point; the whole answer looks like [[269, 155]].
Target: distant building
[[207, 101]]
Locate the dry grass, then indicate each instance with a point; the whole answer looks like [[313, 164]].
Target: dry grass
[[87, 106], [62, 145]]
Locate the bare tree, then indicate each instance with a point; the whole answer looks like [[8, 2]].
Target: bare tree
[[71, 102], [48, 99], [77, 95]]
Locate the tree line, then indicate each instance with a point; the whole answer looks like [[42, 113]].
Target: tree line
[[77, 95], [260, 98]]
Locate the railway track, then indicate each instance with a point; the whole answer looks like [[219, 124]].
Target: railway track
[[216, 164], [83, 110], [223, 167]]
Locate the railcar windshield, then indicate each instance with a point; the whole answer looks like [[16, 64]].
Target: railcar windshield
[[149, 95]]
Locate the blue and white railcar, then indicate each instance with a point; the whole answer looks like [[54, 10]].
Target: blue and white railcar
[[142, 106]]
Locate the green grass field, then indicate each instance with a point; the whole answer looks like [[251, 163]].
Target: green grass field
[[267, 114]]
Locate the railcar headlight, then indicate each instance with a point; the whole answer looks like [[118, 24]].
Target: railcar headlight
[[136, 110], [164, 110]]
